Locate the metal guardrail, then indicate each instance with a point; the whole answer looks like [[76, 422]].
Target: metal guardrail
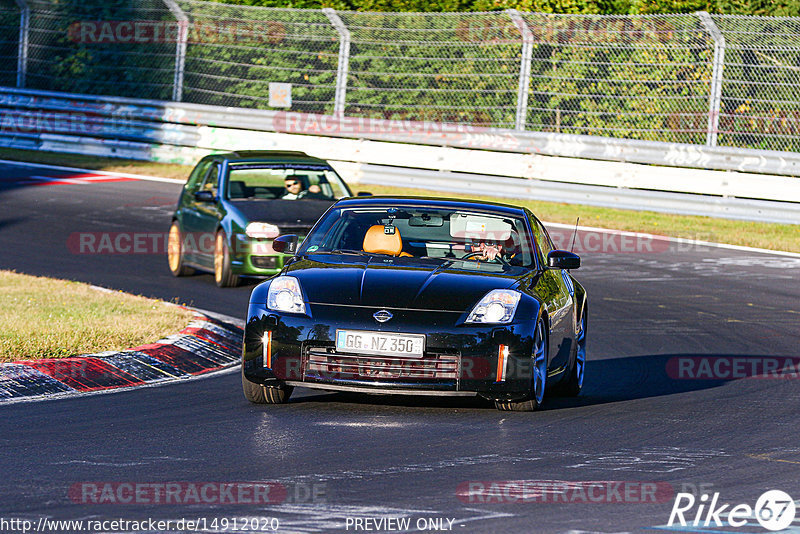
[[555, 167], [609, 197], [123, 112]]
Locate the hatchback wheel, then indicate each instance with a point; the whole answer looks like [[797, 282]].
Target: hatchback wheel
[[222, 263], [175, 251]]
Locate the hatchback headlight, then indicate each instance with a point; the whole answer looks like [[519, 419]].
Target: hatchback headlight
[[497, 306], [262, 230], [285, 295]]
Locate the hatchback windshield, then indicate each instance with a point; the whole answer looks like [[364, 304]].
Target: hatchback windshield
[[290, 182], [444, 234]]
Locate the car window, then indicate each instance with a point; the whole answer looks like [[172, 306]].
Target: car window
[[543, 241], [196, 178], [445, 234], [268, 181], [211, 179]]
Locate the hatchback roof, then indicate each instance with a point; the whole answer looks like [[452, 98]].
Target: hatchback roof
[[270, 155]]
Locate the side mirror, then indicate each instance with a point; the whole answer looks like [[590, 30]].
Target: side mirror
[[286, 244], [363, 194], [204, 196], [563, 259]]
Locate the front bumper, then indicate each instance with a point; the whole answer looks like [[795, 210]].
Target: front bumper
[[459, 359], [255, 257]]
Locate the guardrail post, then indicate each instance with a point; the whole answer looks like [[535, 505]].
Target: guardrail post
[[715, 95], [180, 48], [22, 54], [524, 68], [344, 61]]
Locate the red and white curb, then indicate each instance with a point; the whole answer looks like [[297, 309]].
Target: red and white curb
[[205, 345]]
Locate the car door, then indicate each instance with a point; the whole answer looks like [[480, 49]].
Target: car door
[[186, 211], [203, 218], [557, 292]]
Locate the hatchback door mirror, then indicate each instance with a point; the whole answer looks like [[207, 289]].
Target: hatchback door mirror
[[204, 196], [286, 244], [563, 259]]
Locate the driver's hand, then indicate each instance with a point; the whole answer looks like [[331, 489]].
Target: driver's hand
[[490, 252]]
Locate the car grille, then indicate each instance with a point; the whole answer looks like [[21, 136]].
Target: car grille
[[327, 364], [264, 262]]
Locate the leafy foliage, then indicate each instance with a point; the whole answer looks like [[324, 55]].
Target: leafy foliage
[[630, 76]]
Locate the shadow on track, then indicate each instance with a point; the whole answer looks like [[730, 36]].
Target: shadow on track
[[608, 380]]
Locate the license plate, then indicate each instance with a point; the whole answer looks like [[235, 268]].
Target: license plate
[[379, 343]]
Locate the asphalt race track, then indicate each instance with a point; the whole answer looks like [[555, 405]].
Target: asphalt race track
[[666, 408]]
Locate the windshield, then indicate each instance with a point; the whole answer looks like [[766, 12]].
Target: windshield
[[444, 234], [284, 181]]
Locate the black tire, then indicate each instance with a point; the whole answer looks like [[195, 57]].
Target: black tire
[[573, 385], [259, 394], [175, 252], [538, 375], [222, 262]]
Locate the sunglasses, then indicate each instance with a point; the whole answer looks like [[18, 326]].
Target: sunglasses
[[290, 184]]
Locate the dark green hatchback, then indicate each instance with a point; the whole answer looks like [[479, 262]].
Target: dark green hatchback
[[234, 204]]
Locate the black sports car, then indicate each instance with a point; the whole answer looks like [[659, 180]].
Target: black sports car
[[417, 296]]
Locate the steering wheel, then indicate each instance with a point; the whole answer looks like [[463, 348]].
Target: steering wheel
[[499, 258]]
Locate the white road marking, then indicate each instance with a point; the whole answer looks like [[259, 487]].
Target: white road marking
[[681, 240], [92, 171]]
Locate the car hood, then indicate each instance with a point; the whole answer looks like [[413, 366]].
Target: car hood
[[363, 280], [287, 213]]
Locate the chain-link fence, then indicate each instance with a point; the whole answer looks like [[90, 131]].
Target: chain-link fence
[[83, 47], [760, 100], [693, 78], [645, 77], [9, 43], [426, 66]]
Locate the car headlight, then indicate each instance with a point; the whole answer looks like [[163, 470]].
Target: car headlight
[[262, 230], [285, 295], [497, 306]]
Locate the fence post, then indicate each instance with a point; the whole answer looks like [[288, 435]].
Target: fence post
[[22, 54], [180, 48], [344, 61], [715, 96], [524, 68]]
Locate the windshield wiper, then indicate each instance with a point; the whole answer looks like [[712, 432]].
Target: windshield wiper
[[340, 251]]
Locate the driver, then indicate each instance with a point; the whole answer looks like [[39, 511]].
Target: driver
[[506, 251], [294, 189]]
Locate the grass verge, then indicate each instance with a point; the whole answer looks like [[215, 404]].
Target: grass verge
[[744, 233], [49, 318], [132, 166]]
